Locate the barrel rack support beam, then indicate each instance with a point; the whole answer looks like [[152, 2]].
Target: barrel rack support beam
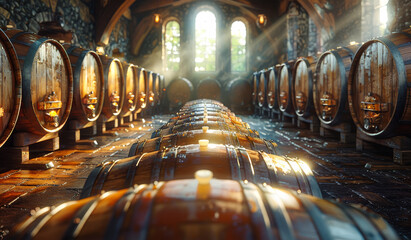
[[400, 145], [345, 132]]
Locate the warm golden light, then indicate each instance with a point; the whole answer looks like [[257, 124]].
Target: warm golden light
[[203, 142], [156, 18], [100, 50], [353, 43], [261, 20]]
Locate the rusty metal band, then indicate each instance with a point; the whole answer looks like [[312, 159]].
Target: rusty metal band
[[121, 207], [248, 166], [278, 213], [88, 186], [129, 181], [316, 216], [270, 167], [258, 212], [83, 214], [235, 165]]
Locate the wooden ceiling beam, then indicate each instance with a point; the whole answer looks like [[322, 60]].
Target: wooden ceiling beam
[[107, 17]]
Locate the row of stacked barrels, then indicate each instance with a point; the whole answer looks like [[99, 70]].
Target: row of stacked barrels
[[236, 93], [368, 84], [44, 84], [203, 175]]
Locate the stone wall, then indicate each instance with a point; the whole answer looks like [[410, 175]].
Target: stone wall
[[28, 14]]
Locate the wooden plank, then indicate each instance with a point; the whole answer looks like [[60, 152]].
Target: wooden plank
[[21, 139]]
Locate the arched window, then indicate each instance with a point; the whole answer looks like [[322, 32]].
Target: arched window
[[238, 47], [205, 41], [172, 46]]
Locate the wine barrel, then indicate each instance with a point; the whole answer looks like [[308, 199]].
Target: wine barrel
[[47, 83], [203, 101], [200, 113], [262, 88], [178, 123], [179, 91], [379, 86], [10, 87], [209, 89], [88, 85], [203, 209], [284, 87], [163, 92], [115, 88], [193, 136], [302, 86], [150, 83], [331, 84], [237, 94], [272, 100], [219, 118], [227, 162], [131, 89], [255, 81], [203, 107], [199, 125], [142, 89], [157, 90]]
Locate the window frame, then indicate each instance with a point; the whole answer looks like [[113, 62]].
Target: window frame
[[246, 24], [164, 54], [217, 40]]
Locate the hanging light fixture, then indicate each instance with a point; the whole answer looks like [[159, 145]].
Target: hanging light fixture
[[157, 18], [261, 20]]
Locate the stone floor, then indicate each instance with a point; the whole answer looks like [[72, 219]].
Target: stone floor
[[367, 178]]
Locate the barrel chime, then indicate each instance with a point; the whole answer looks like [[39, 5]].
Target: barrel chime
[[204, 180]]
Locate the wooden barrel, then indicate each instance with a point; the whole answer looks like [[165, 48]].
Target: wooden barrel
[[255, 82], [203, 107], [302, 86], [157, 89], [163, 92], [209, 89], [262, 88], [272, 100], [193, 136], [150, 84], [181, 162], [115, 88], [10, 88], [237, 94], [142, 89], [179, 91], [204, 119], [203, 209], [131, 89], [200, 113], [47, 83], [284, 87], [88, 85], [202, 101], [214, 117], [199, 125], [379, 86], [331, 84]]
